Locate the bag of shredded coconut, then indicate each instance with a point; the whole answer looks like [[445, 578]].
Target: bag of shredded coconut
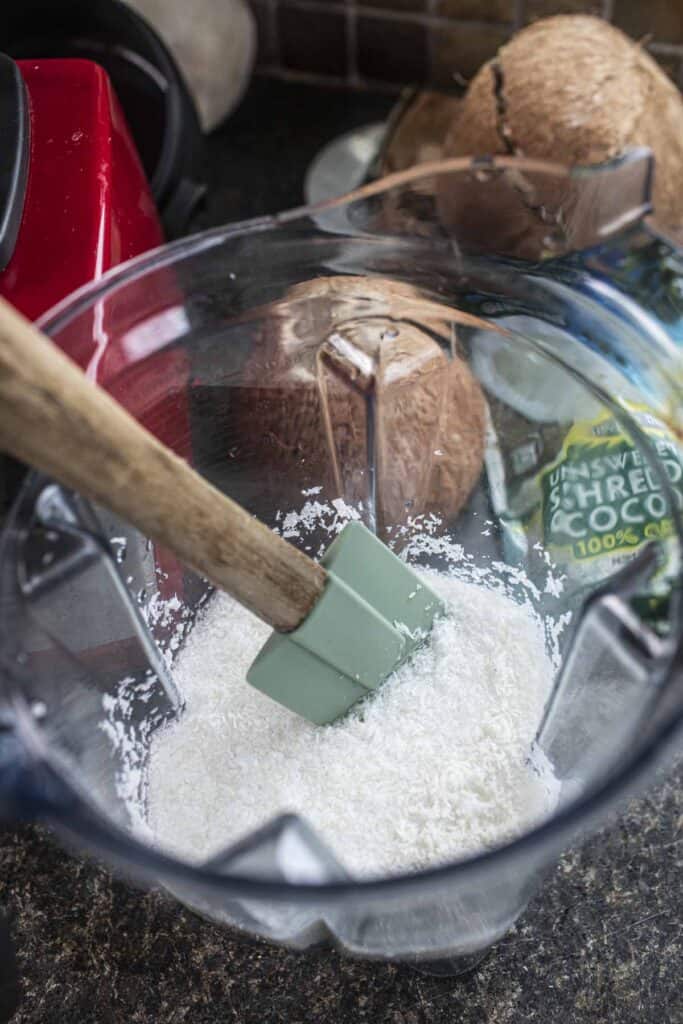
[[599, 501]]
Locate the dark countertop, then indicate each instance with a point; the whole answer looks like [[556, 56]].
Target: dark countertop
[[602, 942], [257, 161]]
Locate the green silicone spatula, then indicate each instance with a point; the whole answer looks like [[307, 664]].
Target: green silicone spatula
[[341, 627]]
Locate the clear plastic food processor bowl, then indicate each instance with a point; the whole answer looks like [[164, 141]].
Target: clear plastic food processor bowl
[[566, 305]]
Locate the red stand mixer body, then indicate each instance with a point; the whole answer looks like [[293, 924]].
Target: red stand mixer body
[[87, 204], [87, 207]]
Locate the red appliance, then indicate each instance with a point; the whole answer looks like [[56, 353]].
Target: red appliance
[[87, 205], [74, 202]]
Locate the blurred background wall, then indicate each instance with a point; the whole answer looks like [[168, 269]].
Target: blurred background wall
[[386, 44]]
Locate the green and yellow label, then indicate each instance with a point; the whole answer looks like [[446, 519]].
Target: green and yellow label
[[602, 498]]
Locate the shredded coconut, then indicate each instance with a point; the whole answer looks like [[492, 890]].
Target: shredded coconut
[[438, 764]]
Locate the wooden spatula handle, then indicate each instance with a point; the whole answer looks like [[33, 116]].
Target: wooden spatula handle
[[54, 418]]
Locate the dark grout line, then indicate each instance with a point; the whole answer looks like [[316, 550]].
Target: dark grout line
[[274, 40], [431, 37], [666, 49], [331, 81], [520, 14], [352, 42], [411, 17]]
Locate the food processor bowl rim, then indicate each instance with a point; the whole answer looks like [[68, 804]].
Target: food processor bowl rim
[[169, 253]]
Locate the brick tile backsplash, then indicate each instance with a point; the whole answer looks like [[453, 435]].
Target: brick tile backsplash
[[391, 51], [535, 9], [398, 5], [661, 19], [313, 38], [477, 10], [389, 43]]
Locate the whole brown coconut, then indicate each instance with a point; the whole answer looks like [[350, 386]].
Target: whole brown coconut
[[342, 383], [418, 133], [574, 89]]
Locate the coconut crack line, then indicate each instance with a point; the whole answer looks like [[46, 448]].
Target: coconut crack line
[[520, 184], [502, 125]]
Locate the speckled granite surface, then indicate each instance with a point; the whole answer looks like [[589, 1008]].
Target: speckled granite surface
[[601, 943]]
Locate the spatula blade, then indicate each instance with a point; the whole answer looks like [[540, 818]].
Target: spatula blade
[[374, 611]]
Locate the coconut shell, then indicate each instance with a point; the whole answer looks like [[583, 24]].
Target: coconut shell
[[416, 131], [420, 132], [416, 135], [342, 384], [574, 89]]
